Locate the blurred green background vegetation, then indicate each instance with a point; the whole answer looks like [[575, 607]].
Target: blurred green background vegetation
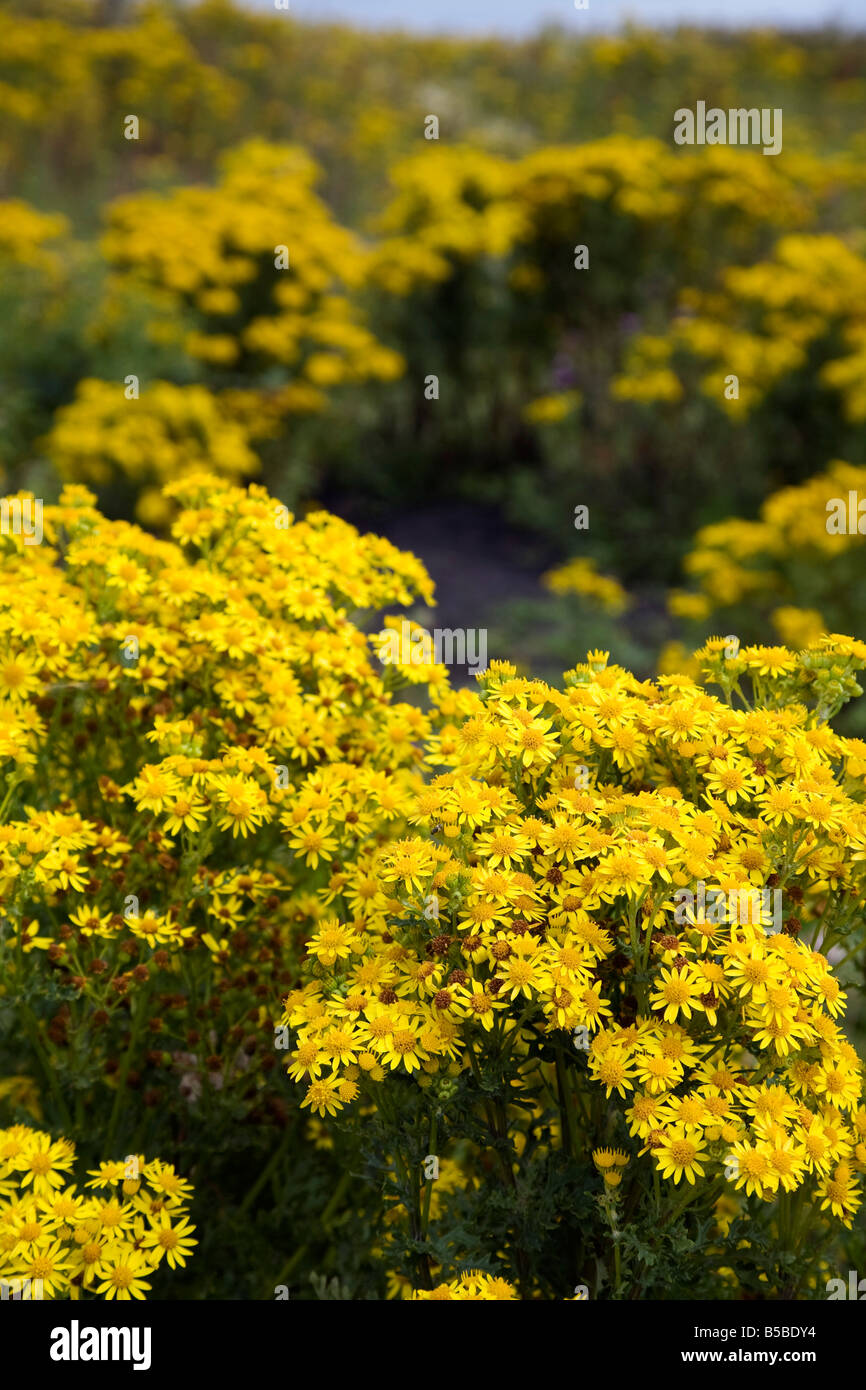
[[451, 258]]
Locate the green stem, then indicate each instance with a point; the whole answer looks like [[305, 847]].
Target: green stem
[[428, 1195], [569, 1127], [336, 1197], [32, 1030], [290, 1265], [135, 1031], [269, 1168]]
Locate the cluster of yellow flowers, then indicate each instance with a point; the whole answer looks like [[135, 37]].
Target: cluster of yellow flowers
[[540, 890], [472, 1287], [165, 433], [66, 79], [260, 263], [580, 576], [458, 204], [760, 326], [269, 298], [450, 205], [647, 376], [526, 893], [610, 1163], [231, 651], [766, 1132], [200, 750], [551, 409], [253, 280], [800, 560], [477, 1287], [254, 276], [26, 235], [206, 70], [57, 1241]]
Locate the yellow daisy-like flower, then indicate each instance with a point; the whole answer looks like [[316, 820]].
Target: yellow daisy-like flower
[[323, 1096], [44, 1163], [678, 992], [122, 1270], [171, 1239], [680, 1155]]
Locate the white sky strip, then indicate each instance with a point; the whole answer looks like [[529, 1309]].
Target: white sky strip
[[514, 17]]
